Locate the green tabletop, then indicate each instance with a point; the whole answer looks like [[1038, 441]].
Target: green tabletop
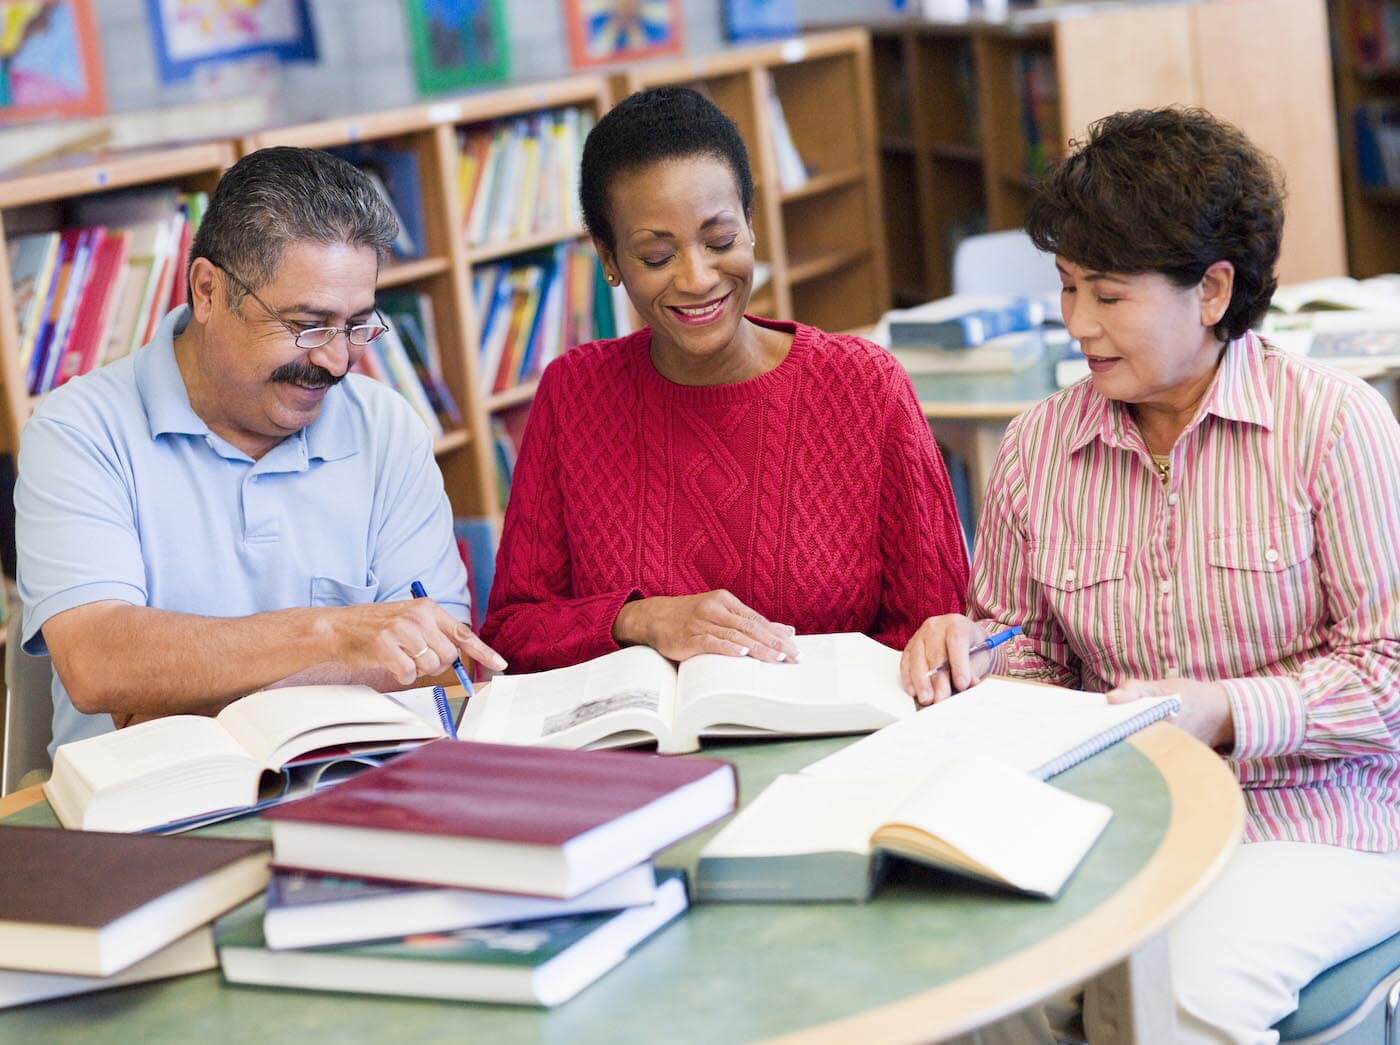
[[1006, 394], [725, 972]]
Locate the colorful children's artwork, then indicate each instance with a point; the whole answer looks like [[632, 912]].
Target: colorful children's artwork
[[458, 43], [191, 32], [760, 19], [606, 31], [50, 65]]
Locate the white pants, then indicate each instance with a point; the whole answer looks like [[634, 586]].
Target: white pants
[[1279, 914]]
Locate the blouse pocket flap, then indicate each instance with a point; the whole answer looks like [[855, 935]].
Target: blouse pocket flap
[[327, 591], [1270, 548], [1070, 567]]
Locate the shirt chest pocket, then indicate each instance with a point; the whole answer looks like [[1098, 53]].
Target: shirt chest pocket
[[1266, 593], [327, 591], [1083, 585]]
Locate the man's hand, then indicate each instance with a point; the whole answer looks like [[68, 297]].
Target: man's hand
[[939, 641], [1205, 707], [410, 639], [713, 622]]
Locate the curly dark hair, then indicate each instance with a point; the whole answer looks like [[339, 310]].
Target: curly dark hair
[[1170, 190], [664, 123]]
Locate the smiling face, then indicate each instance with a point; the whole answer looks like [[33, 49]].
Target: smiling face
[[247, 379], [684, 251], [1147, 340]]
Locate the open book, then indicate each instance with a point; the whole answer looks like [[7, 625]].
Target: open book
[[840, 684], [178, 772], [956, 785], [811, 837]]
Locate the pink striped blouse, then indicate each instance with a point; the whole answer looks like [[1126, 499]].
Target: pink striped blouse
[[1268, 561]]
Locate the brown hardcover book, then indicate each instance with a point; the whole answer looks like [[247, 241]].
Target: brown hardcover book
[[89, 903]]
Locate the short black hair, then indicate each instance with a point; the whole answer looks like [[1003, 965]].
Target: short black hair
[[278, 196], [663, 123], [1172, 191]]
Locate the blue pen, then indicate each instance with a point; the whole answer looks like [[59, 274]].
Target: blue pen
[[982, 647], [439, 696]]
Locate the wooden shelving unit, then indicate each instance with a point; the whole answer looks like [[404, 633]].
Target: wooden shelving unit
[[951, 116], [444, 273], [824, 241], [42, 198], [1372, 212]]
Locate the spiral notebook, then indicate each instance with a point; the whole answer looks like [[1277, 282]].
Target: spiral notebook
[[1040, 730]]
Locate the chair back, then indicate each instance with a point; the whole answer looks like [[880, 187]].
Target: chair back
[[1003, 263], [28, 710]]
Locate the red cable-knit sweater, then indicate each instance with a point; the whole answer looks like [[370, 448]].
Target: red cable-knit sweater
[[814, 493]]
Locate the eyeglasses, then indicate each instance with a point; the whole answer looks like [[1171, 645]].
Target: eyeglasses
[[358, 334]]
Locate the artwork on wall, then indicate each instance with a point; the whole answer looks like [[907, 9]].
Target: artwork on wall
[[605, 31], [760, 19], [458, 43], [189, 33], [50, 64]]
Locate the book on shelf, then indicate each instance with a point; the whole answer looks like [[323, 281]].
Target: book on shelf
[[1375, 33], [540, 963], [808, 837], [476, 536], [507, 434], [1038, 93], [394, 172], [189, 954], [914, 789], [387, 359], [413, 318], [846, 683], [503, 818], [309, 910], [182, 771], [519, 177], [82, 903], [1377, 127], [95, 290], [793, 173]]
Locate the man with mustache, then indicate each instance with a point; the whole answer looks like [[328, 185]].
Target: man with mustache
[[225, 510]]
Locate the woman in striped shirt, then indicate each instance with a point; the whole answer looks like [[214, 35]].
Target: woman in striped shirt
[[1209, 517]]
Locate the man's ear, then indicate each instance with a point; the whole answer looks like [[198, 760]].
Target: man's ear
[[205, 289]]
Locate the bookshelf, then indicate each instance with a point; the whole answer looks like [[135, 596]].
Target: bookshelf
[[823, 241], [953, 114], [1367, 75], [445, 269], [40, 200]]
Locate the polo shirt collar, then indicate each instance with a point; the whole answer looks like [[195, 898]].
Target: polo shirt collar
[[161, 386], [1240, 392]]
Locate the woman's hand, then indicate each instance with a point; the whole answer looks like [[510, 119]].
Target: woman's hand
[[1205, 707], [942, 641], [713, 622]]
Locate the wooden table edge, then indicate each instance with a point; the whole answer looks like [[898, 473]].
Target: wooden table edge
[[21, 799], [1206, 825]]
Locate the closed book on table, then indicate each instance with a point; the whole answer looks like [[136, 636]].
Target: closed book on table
[[192, 953], [90, 904], [910, 329], [310, 910], [531, 963], [512, 819]]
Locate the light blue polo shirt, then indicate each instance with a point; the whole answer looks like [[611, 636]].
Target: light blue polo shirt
[[124, 493]]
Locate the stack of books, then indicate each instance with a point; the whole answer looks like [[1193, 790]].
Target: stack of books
[[395, 175], [84, 911], [1038, 91], [95, 290], [476, 872], [969, 334], [407, 359], [532, 308], [519, 178]]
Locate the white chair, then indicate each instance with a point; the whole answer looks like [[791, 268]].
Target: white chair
[[1003, 263], [28, 710]]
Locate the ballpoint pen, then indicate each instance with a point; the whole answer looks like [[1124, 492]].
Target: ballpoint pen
[[984, 646], [419, 592]]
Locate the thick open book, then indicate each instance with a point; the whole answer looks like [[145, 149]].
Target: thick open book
[[957, 786], [181, 771], [840, 684], [810, 837]]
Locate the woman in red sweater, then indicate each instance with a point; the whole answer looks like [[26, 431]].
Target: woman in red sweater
[[713, 483]]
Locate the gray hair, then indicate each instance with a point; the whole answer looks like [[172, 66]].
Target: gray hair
[[275, 197]]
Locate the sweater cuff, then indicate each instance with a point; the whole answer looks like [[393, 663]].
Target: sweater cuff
[[1270, 717], [604, 640]]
